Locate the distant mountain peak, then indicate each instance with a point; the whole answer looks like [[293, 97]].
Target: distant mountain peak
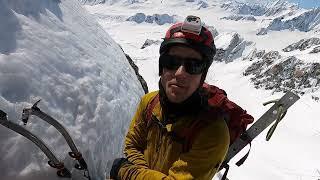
[[306, 21]]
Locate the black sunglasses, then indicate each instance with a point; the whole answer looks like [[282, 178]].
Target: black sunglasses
[[192, 65]]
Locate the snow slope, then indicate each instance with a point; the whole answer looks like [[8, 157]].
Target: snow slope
[[55, 51]]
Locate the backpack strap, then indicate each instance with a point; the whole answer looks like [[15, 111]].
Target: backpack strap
[[148, 114], [220, 96]]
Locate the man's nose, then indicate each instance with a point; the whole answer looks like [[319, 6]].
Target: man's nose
[[181, 71]]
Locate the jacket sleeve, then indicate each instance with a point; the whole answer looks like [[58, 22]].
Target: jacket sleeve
[[135, 141], [201, 162], [135, 144]]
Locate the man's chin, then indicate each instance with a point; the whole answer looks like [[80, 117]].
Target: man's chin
[[176, 97]]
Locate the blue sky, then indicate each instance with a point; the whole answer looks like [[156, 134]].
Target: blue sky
[[307, 3]]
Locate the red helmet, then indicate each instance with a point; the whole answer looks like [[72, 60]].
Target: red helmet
[[192, 34]]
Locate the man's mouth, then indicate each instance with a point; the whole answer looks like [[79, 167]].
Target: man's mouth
[[177, 85]]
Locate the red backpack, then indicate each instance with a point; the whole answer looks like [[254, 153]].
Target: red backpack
[[237, 118]]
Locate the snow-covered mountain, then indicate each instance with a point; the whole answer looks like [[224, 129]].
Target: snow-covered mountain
[[262, 8], [110, 2], [55, 51], [240, 17], [244, 8], [279, 15], [280, 7], [306, 21]]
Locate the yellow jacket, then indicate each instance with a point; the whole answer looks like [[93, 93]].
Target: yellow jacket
[[155, 155]]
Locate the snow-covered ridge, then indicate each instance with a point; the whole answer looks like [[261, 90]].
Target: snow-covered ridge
[[279, 15], [267, 8], [259, 9], [92, 2], [239, 17], [55, 51], [109, 2], [303, 44], [280, 7], [307, 21], [199, 3], [244, 8], [160, 19]]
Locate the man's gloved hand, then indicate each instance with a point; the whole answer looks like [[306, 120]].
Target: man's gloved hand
[[117, 164]]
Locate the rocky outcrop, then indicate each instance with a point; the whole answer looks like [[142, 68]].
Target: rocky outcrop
[[262, 31], [220, 54], [233, 47], [255, 54], [213, 31], [265, 59], [150, 42], [239, 17], [315, 50], [303, 44], [136, 70], [227, 5], [290, 74], [202, 4], [160, 19], [270, 57]]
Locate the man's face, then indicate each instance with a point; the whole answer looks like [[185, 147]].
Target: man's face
[[179, 84]]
